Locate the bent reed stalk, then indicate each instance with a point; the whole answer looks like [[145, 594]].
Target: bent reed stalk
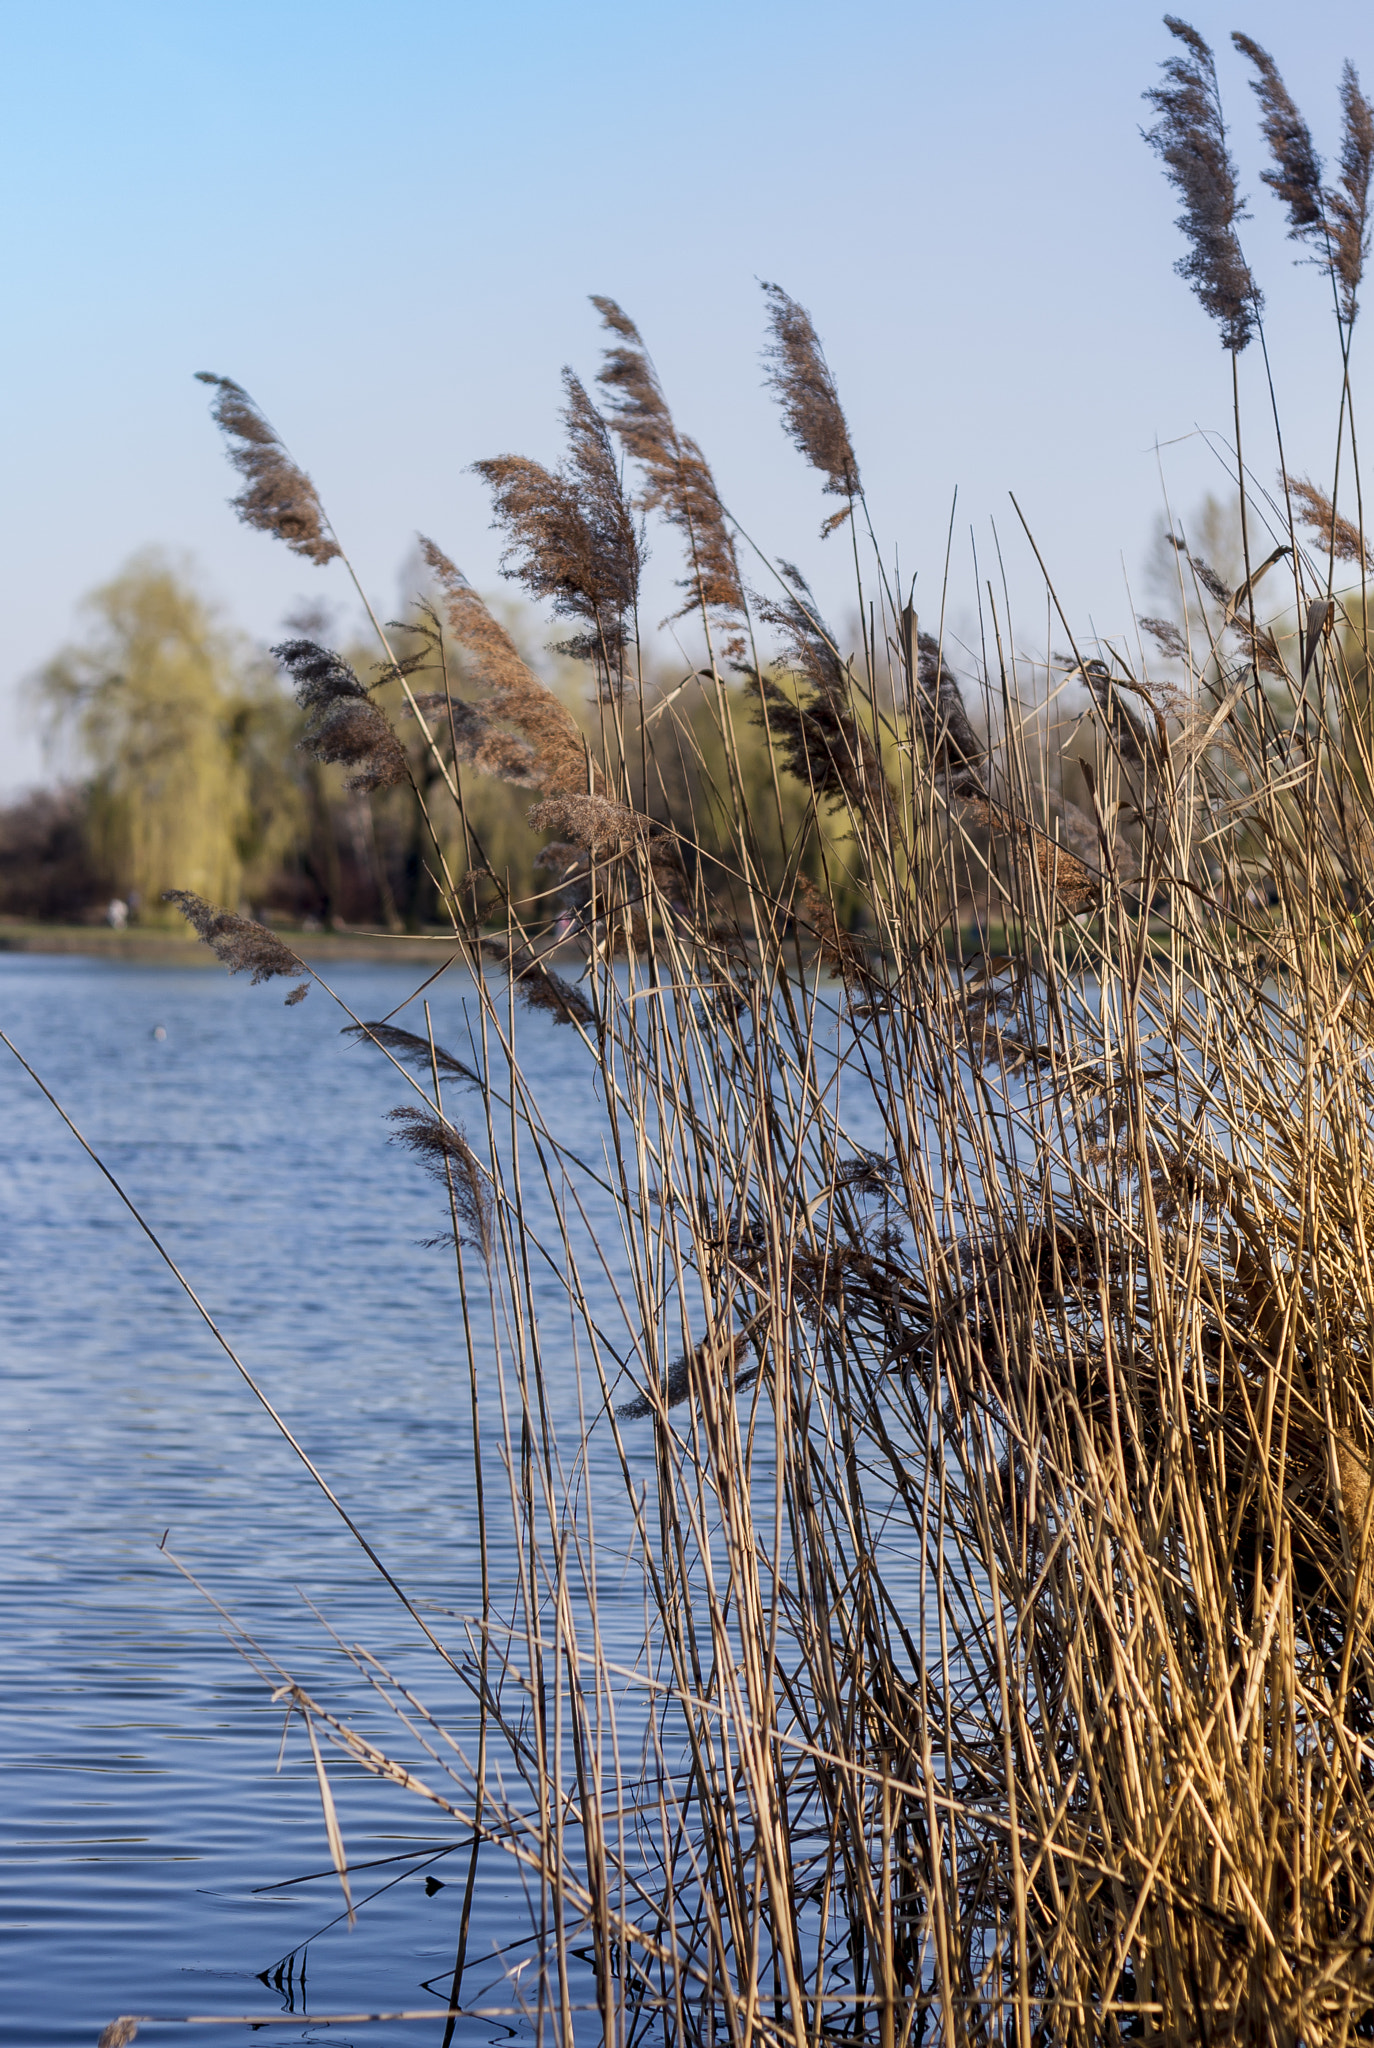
[[992, 1382]]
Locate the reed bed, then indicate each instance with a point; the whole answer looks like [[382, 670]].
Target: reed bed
[[991, 1364]]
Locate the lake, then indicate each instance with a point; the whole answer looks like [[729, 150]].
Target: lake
[[154, 1860]]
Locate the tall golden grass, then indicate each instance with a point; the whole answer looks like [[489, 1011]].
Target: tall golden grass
[[993, 1380]]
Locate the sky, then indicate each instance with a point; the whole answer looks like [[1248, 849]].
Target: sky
[[384, 218]]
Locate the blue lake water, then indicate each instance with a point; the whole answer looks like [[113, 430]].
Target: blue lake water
[[143, 1821]]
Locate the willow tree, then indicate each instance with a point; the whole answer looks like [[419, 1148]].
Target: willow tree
[[165, 709]]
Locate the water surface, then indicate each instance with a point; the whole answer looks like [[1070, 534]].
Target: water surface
[[144, 1821]]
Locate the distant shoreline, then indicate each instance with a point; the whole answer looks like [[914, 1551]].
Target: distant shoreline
[[184, 949], [152, 943]]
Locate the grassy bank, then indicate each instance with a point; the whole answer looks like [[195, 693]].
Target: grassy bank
[[179, 946]]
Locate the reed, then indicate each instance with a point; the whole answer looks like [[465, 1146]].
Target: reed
[[991, 1363]]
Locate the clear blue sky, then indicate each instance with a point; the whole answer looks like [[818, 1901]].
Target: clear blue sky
[[384, 220]]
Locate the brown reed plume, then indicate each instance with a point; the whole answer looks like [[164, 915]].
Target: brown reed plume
[[1260, 648], [1167, 635], [446, 1155], [573, 535], [412, 1050], [278, 497], [821, 744], [1335, 218], [1201, 568], [344, 726], [1135, 744], [1348, 203], [606, 829], [1296, 179], [244, 945], [536, 985], [719, 1358], [801, 378], [819, 736], [955, 750], [560, 758], [837, 948], [480, 744], [1069, 884], [809, 648], [679, 483], [1316, 510], [1190, 140]]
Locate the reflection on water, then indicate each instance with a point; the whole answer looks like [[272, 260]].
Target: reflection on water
[[148, 1841]]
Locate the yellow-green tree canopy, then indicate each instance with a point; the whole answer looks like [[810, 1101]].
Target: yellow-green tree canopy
[[186, 740]]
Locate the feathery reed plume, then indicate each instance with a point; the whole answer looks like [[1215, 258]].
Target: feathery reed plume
[[869, 1173], [819, 739], [445, 1153], [518, 696], [537, 985], [411, 1050], [563, 860], [344, 724], [955, 750], [1167, 636], [679, 480], [573, 534], [240, 942], [685, 1373], [1296, 179], [1190, 139], [277, 497], [119, 2033], [1069, 882], [1316, 510], [479, 743], [1131, 736], [605, 829], [1065, 876], [1260, 646], [843, 955], [811, 409], [1205, 573], [1348, 203], [809, 647], [822, 746]]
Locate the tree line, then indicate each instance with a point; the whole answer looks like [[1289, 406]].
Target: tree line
[[183, 768]]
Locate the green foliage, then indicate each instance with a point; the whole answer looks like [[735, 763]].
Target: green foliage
[[188, 743], [711, 753]]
